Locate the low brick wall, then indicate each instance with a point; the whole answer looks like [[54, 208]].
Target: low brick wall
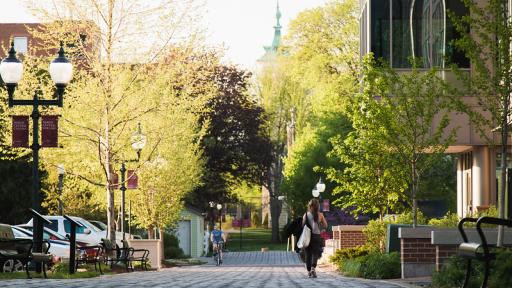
[[425, 249], [417, 253], [443, 252], [348, 236]]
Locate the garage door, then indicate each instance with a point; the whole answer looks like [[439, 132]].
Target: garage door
[[184, 234]]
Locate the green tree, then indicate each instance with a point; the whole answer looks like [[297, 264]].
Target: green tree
[[234, 144], [322, 50], [119, 50], [399, 120], [487, 44]]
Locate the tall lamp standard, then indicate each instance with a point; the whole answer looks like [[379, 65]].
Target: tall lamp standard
[[318, 190], [138, 142], [219, 207], [60, 172], [61, 72]]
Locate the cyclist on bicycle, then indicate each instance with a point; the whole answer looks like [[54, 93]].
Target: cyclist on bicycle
[[218, 237]]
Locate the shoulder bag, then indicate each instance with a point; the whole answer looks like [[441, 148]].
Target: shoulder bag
[[305, 236]]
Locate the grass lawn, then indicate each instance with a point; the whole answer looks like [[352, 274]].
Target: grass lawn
[[59, 272], [253, 239]]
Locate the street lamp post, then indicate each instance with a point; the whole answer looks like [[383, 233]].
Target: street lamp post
[[138, 142], [61, 72], [318, 190], [219, 207], [60, 172]]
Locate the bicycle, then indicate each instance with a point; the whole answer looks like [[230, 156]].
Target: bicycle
[[216, 255]]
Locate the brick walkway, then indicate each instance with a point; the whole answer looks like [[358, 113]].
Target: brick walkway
[[240, 269]]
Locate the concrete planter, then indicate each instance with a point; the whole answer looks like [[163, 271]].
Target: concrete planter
[[155, 247]]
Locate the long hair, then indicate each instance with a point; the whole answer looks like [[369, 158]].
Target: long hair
[[313, 207]]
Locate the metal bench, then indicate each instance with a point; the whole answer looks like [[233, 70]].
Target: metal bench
[[478, 251], [114, 254], [15, 250], [137, 255]]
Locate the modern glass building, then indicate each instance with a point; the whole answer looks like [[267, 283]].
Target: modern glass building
[[396, 30]]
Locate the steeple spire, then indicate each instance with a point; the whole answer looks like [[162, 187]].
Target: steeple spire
[[278, 15], [277, 29]]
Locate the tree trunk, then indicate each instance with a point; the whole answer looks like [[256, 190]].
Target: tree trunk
[[274, 192], [275, 212], [160, 233], [151, 232]]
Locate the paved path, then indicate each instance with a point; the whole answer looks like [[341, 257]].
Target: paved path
[[245, 270]]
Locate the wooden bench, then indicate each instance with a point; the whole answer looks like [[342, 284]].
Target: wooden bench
[[479, 251], [114, 254], [14, 250], [137, 255]]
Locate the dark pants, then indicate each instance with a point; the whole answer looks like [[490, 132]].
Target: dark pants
[[313, 251]]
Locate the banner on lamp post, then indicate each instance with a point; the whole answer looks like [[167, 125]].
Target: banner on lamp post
[[50, 131], [133, 180], [325, 205], [20, 131]]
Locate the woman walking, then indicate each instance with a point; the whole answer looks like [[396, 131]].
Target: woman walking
[[312, 219]]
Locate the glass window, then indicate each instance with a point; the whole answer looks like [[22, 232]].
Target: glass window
[[46, 235], [380, 34], [430, 38], [53, 226], [21, 44], [67, 228], [453, 55], [18, 234], [401, 33]]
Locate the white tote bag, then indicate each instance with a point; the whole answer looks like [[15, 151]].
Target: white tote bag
[[304, 238]]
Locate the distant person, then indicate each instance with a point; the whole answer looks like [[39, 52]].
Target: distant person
[[218, 237], [313, 219]]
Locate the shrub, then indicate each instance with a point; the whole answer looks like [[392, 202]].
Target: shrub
[[352, 267], [375, 233], [172, 248], [376, 230], [406, 218], [362, 262], [449, 220], [378, 265], [453, 271], [452, 219], [343, 256]]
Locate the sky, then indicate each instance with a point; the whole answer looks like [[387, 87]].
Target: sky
[[243, 27]]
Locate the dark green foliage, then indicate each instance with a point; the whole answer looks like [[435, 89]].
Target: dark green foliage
[[363, 262], [16, 190], [381, 266], [439, 182], [348, 260], [349, 253], [172, 249], [234, 146], [311, 151], [453, 272]]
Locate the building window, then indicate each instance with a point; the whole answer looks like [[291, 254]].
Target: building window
[[21, 44], [401, 29], [380, 34]]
